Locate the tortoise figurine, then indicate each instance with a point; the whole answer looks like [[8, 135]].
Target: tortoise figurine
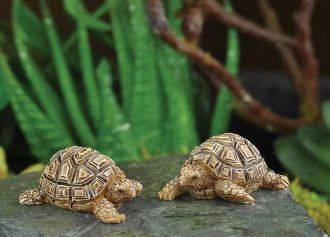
[[81, 179], [227, 166]]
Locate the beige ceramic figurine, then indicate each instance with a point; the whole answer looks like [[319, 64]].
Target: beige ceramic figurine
[[227, 166], [82, 179]]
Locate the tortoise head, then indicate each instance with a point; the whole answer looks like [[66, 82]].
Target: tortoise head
[[123, 190], [195, 176]]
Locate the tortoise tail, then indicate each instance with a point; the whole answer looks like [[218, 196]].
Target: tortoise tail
[[32, 197]]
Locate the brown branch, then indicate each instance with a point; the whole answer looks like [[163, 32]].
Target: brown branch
[[247, 103], [244, 25], [272, 23], [310, 64], [192, 23]]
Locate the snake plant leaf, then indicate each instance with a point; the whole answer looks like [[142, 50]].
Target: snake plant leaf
[[103, 9], [46, 96], [42, 134], [224, 101], [95, 23], [147, 108], [180, 60], [124, 50], [87, 69], [180, 131], [326, 113], [76, 9], [316, 139], [68, 90], [174, 69], [31, 27], [300, 162], [115, 137]]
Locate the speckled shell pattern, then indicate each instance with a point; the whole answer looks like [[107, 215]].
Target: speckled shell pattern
[[231, 157], [76, 175]]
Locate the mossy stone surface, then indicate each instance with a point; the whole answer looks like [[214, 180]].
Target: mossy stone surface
[[274, 213]]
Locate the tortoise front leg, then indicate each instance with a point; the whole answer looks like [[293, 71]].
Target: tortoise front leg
[[105, 211], [275, 181], [232, 192], [32, 197], [171, 190]]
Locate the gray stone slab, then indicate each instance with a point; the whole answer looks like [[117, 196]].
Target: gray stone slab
[[274, 213]]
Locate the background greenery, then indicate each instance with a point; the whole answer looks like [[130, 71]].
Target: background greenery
[[138, 104]]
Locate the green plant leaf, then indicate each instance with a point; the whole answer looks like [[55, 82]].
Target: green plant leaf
[[224, 101], [115, 137], [180, 60], [300, 162], [87, 69], [76, 9], [43, 91], [326, 113], [121, 33], [316, 139], [66, 83], [180, 129], [42, 134], [147, 108], [32, 30]]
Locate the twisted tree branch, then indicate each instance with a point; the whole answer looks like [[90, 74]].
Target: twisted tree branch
[[310, 64], [286, 53], [246, 103], [244, 25]]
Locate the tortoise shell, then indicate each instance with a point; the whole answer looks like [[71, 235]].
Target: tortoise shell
[[76, 175], [230, 157]]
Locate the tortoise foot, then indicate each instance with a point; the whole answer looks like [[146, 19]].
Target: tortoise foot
[[105, 211], [275, 181], [171, 190], [232, 192], [31, 197]]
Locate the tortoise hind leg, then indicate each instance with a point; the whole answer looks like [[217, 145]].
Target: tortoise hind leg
[[232, 192], [105, 211], [32, 197], [275, 181], [171, 190]]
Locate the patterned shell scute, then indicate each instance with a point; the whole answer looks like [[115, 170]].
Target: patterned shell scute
[[76, 175], [231, 157]]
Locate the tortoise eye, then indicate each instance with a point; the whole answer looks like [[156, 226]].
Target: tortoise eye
[[194, 177], [120, 190]]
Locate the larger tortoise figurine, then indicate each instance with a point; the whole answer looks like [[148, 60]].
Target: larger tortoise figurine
[[227, 166], [82, 179]]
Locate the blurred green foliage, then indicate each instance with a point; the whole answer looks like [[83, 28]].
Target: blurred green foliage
[[307, 154], [137, 105], [315, 205]]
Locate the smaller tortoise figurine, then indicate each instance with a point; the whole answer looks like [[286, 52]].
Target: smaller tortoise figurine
[[81, 179], [227, 166]]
